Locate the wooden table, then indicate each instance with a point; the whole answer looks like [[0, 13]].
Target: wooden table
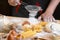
[[19, 18], [24, 19]]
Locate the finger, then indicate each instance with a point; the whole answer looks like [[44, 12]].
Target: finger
[[39, 18], [53, 20], [50, 19]]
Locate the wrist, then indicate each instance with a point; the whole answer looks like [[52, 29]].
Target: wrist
[[48, 13]]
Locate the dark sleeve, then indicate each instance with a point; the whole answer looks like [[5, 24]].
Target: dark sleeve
[[44, 4]]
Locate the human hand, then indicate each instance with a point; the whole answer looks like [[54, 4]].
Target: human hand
[[14, 2], [47, 17]]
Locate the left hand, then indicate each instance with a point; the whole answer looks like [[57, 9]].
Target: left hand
[[47, 17]]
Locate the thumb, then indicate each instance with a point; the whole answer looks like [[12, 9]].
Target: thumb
[[39, 18]]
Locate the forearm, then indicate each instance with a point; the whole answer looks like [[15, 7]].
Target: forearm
[[52, 6]]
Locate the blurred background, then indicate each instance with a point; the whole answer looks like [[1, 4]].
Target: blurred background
[[6, 9]]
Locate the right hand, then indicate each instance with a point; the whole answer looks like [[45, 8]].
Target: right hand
[[47, 17]]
